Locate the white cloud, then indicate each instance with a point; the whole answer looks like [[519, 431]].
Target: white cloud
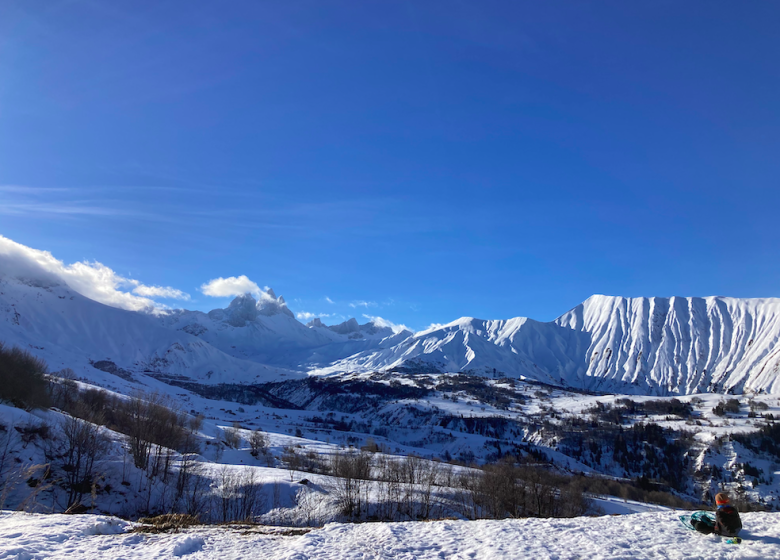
[[329, 300], [361, 303], [91, 279], [232, 286], [160, 291], [380, 322], [306, 316]]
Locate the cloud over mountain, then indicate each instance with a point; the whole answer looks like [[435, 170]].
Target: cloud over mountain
[[91, 279], [231, 286]]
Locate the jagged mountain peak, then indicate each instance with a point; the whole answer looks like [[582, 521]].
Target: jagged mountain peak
[[374, 328], [269, 305], [245, 308], [347, 327]]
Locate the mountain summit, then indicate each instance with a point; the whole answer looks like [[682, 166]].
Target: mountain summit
[[246, 308]]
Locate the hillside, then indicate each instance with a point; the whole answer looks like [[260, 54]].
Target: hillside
[[69, 330]]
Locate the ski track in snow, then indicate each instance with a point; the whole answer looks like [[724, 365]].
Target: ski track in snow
[[638, 536]]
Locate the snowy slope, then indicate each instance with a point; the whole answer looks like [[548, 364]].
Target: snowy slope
[[249, 342], [640, 536], [642, 345], [70, 330], [518, 347], [679, 345]]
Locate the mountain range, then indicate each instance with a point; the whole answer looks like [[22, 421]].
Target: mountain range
[[651, 345]]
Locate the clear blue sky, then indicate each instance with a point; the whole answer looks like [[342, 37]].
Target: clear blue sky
[[436, 159]]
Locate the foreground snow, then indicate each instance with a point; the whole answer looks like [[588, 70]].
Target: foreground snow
[[646, 535]]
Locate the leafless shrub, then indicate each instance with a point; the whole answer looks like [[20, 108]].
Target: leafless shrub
[[352, 470], [153, 426], [232, 436], [192, 487], [308, 501], [196, 422], [167, 523], [506, 490], [238, 495], [82, 445], [293, 460], [258, 443]]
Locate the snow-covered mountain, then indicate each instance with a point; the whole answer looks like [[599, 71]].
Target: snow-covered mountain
[[249, 342], [679, 345], [70, 330], [267, 332], [641, 345]]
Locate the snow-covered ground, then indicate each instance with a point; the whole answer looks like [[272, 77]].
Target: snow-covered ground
[[639, 536]]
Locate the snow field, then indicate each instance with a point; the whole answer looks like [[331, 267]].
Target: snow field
[[639, 536]]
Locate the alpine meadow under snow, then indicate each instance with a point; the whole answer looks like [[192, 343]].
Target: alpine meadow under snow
[[166, 421]]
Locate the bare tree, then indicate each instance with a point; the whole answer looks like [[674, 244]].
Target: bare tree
[[232, 436], [238, 495], [351, 470], [293, 460], [258, 443], [83, 445]]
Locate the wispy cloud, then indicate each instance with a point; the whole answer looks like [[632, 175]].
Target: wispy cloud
[[329, 300], [21, 189], [361, 303], [306, 316], [160, 292], [72, 209], [236, 209]]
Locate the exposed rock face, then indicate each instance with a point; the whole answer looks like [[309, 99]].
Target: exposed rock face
[[347, 327], [241, 310]]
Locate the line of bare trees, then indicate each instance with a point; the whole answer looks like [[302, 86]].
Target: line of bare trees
[[415, 488], [506, 489]]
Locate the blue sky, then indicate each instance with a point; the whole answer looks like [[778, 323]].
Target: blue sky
[[431, 159]]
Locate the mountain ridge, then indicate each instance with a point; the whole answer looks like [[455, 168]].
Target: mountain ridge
[[606, 343]]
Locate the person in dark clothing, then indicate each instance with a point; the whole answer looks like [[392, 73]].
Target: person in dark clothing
[[727, 521]]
